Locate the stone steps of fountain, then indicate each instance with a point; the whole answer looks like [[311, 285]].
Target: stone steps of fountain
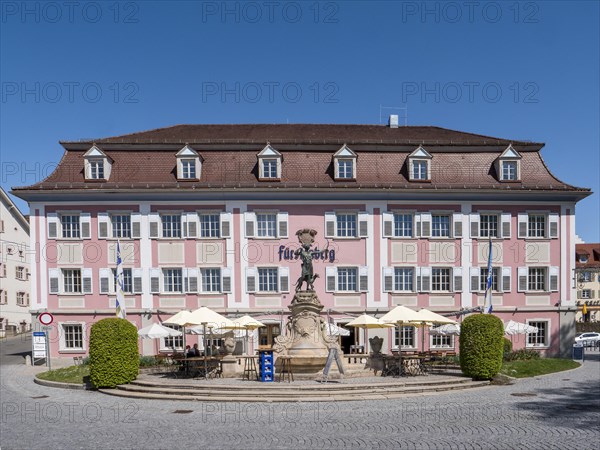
[[270, 392]]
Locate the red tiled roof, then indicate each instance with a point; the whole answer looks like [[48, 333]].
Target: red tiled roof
[[304, 133], [592, 251], [150, 165]]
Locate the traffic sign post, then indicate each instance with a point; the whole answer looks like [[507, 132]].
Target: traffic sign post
[[40, 342]]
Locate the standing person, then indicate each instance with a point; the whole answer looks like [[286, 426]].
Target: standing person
[[195, 350]]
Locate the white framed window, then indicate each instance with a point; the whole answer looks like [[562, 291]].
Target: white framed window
[[20, 273], [347, 279], [419, 165], [3, 297], [508, 165], [22, 299], [509, 170], [210, 225], [483, 276], [120, 225], [211, 279], [171, 225], [585, 294], [541, 338], [346, 225], [2, 270], [72, 281], [440, 225], [404, 279], [269, 168], [172, 280], [173, 342], [404, 337], [344, 162], [266, 225], [403, 224], [269, 164], [189, 164], [262, 280], [345, 168], [97, 169], [268, 279], [420, 169], [442, 341], [69, 224], [188, 169], [536, 279], [488, 225], [72, 336], [538, 225], [440, 279], [97, 165]]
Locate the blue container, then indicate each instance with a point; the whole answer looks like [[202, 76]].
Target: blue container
[[265, 364]]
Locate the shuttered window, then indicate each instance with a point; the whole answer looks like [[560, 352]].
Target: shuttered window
[[403, 279]]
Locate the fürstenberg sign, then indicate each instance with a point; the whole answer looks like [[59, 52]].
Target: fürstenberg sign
[[289, 253]]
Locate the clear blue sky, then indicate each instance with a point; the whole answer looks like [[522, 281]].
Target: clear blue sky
[[527, 70]]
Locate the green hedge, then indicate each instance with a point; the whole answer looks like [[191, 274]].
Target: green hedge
[[114, 357], [507, 347], [481, 346]]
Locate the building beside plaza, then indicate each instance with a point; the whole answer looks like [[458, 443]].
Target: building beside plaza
[[206, 215], [587, 280], [14, 268]]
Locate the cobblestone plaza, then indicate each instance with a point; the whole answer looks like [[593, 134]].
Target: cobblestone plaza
[[558, 411]]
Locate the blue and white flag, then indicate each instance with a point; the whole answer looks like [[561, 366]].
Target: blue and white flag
[[487, 306], [120, 303]]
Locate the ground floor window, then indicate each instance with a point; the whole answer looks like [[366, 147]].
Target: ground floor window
[[442, 341], [408, 337], [73, 336], [539, 339], [174, 342]]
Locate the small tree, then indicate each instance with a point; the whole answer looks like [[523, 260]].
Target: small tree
[[481, 346], [114, 357]]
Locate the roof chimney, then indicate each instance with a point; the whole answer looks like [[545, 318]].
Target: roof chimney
[[393, 121]]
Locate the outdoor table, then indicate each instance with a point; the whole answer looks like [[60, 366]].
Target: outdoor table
[[201, 366], [414, 365], [285, 369], [249, 367]]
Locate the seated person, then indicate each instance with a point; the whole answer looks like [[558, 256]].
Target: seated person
[[195, 351], [188, 351]]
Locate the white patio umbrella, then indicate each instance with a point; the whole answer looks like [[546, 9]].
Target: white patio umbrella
[[246, 323], [334, 330], [401, 315], [156, 331], [511, 328], [446, 330], [429, 317], [365, 321], [183, 319]]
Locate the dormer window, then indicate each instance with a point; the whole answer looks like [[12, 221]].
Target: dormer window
[[97, 164], [583, 259], [189, 164], [269, 164], [419, 165], [344, 161], [508, 165]]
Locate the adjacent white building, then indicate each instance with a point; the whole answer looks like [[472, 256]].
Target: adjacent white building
[[14, 268]]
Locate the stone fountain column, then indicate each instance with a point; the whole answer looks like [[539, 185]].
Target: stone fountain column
[[306, 338]]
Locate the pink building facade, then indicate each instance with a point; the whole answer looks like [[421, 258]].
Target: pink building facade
[[206, 215]]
